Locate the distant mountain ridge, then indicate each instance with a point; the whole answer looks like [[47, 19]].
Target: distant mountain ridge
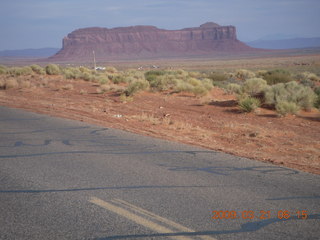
[[30, 53], [286, 43]]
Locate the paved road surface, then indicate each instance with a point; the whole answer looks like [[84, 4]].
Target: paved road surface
[[62, 179]]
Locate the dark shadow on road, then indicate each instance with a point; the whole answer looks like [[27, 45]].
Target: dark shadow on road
[[227, 170], [244, 228], [291, 198], [110, 152], [99, 188]]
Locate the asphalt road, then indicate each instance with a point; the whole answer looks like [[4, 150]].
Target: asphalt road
[[63, 179]]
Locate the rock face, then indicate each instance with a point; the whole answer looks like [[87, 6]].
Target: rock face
[[149, 42]]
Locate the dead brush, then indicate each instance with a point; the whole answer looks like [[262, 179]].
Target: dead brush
[[11, 83], [68, 87]]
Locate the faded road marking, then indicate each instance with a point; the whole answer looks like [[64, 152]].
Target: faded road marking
[[145, 218]]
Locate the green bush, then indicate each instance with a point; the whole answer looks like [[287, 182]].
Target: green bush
[[317, 92], [199, 90], [254, 86], [52, 69], [136, 86], [249, 104], [118, 79], [153, 74], [164, 82], [233, 88], [217, 77], [19, 71], [3, 69], [308, 76], [301, 95], [207, 84], [284, 108], [73, 73], [111, 69], [277, 76], [308, 83], [37, 69], [244, 74]]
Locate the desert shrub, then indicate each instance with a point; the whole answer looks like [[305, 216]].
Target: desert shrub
[[207, 84], [277, 76], [85, 69], [88, 76], [180, 73], [19, 71], [153, 74], [111, 69], [308, 83], [11, 83], [72, 73], [136, 86], [3, 69], [195, 74], [261, 73], [25, 84], [217, 76], [37, 69], [52, 69], [193, 85], [2, 84], [133, 73], [105, 87], [244, 74], [233, 88], [284, 108], [303, 96], [103, 80], [248, 104], [124, 98], [164, 82], [183, 86], [254, 86], [118, 79], [67, 87], [317, 92], [199, 90], [308, 76]]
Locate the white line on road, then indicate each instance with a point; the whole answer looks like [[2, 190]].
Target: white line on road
[[145, 218]]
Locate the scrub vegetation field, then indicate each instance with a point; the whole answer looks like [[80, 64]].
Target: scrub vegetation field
[[265, 109]]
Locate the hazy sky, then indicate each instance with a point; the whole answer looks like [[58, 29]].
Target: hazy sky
[[43, 23]]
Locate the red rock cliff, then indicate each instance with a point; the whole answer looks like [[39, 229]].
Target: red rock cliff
[[148, 41]]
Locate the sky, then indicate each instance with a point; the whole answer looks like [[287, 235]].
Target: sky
[[43, 23]]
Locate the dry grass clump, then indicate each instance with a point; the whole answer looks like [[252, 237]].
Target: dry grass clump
[[24, 84], [67, 87], [2, 84], [3, 69], [103, 88], [243, 74], [248, 103], [37, 69], [11, 83], [111, 69], [19, 71]]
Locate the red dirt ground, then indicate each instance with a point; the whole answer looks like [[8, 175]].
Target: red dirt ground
[[214, 122]]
